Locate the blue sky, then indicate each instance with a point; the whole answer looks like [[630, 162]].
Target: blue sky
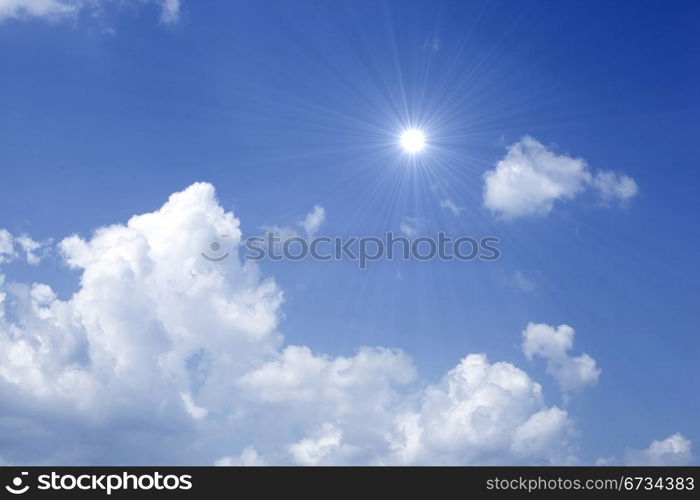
[[106, 111]]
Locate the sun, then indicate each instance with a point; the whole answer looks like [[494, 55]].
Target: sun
[[413, 140]]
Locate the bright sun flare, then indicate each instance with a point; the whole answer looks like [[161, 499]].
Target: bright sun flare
[[413, 140]]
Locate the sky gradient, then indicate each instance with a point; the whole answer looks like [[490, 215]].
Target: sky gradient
[[567, 130]]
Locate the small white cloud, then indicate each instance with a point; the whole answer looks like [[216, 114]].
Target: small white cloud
[[310, 225], [674, 450], [170, 11], [452, 206], [553, 344], [411, 226], [30, 247], [13, 247], [530, 179], [313, 220], [614, 187]]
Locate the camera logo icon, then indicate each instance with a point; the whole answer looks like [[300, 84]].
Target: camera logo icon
[[215, 247], [16, 487]]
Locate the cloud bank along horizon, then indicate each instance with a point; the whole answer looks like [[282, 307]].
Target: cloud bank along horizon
[[159, 346]]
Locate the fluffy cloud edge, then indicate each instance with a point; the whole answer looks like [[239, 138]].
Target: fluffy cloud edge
[[531, 179], [22, 247], [572, 373], [674, 450]]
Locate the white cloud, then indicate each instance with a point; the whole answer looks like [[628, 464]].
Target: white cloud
[[318, 449], [30, 248], [481, 413], [170, 12], [530, 179], [7, 251], [307, 227], [147, 306], [674, 450], [411, 226], [57, 10], [297, 376], [541, 434], [452, 206], [163, 357], [313, 220], [553, 344], [48, 9], [13, 247], [614, 187]]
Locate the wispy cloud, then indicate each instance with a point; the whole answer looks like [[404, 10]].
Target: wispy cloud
[[170, 12], [307, 227], [411, 226], [522, 282], [60, 10], [21, 247], [313, 220], [452, 206]]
